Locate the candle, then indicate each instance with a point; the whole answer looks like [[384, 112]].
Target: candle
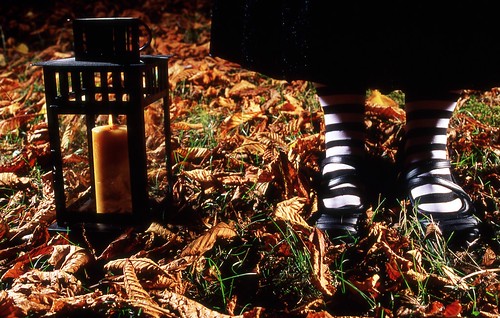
[[111, 169]]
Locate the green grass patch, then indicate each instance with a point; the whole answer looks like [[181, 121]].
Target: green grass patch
[[478, 109]]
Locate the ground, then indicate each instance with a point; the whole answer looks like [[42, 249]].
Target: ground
[[237, 239]]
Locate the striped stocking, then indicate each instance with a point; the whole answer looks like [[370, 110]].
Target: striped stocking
[[426, 128], [344, 136]]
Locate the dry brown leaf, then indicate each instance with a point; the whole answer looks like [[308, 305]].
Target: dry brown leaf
[[182, 125], [44, 214], [192, 153], [291, 182], [22, 48], [240, 118], [312, 307], [251, 147], [415, 276], [434, 309], [12, 124], [69, 258], [161, 231], [151, 310], [125, 242], [8, 309], [179, 264], [221, 101], [369, 285], [321, 314], [9, 108], [271, 139], [202, 176], [74, 303], [181, 75], [240, 87], [433, 230], [378, 99], [143, 266], [30, 304], [415, 256], [384, 106], [401, 262], [289, 211], [20, 266], [321, 273], [486, 314], [169, 282], [4, 229], [453, 278], [489, 257], [232, 179], [187, 308], [291, 106], [264, 180], [132, 285], [453, 310], [140, 297], [205, 242], [56, 282]]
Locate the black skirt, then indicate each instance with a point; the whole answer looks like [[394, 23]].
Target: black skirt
[[352, 44]]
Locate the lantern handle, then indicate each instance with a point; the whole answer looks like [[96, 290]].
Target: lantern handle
[[150, 35]]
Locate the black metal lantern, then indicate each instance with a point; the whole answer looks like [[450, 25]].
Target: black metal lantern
[[97, 106]]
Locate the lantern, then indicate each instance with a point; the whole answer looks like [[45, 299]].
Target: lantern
[[106, 108]]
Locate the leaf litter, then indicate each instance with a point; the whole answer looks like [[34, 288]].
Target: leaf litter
[[240, 241]]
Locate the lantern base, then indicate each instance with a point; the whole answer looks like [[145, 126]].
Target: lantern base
[[91, 227], [97, 236]]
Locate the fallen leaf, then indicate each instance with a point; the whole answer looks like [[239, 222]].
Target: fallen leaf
[[453, 310], [59, 282], [202, 176], [22, 48], [8, 309], [489, 257], [161, 231], [241, 118], [322, 277], [132, 284], [143, 266], [69, 258], [120, 245], [193, 153], [369, 285], [238, 88], [4, 229], [434, 309], [384, 106], [251, 147], [21, 263], [204, 243], [11, 180], [187, 308], [289, 211]]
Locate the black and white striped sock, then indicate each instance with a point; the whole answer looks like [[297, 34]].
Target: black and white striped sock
[[426, 139], [344, 135]]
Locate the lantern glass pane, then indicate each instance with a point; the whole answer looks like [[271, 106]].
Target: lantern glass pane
[[75, 162], [155, 151]]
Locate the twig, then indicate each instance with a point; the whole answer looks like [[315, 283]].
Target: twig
[[483, 271]]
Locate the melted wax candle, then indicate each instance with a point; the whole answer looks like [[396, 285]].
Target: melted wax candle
[[111, 169]]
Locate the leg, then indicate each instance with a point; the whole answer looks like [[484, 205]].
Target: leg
[[341, 201], [430, 185]]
